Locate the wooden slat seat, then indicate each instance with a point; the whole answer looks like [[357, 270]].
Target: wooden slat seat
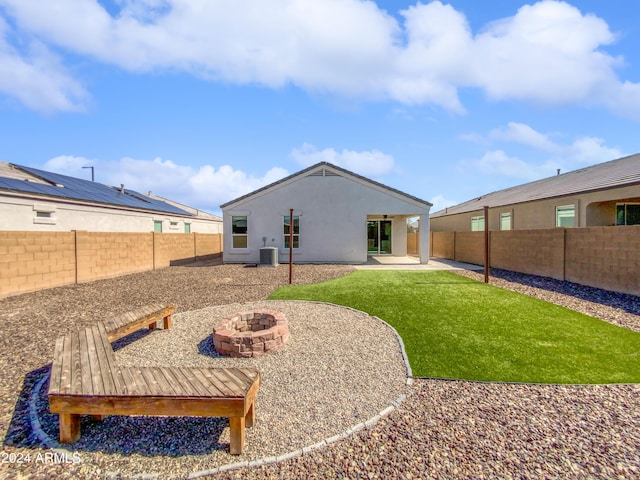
[[86, 380], [147, 316]]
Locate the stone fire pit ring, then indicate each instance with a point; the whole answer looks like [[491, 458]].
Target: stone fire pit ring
[[250, 334]]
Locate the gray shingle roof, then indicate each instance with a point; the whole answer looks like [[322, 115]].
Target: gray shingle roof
[[615, 173], [77, 189]]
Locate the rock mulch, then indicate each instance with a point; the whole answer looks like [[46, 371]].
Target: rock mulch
[[443, 429]]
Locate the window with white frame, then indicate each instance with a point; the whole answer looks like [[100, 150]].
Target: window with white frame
[[505, 221], [566, 216], [287, 231], [477, 223], [239, 231], [44, 214]]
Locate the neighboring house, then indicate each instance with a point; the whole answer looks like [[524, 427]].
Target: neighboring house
[[599, 195], [33, 199], [338, 217]]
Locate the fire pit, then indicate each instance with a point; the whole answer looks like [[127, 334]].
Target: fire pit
[[250, 334]]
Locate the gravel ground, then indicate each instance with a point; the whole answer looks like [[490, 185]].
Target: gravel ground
[[444, 429]]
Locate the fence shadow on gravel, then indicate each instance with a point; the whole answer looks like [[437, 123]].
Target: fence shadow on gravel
[[123, 435], [622, 301]]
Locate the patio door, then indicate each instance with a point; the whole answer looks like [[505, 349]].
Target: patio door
[[379, 237]]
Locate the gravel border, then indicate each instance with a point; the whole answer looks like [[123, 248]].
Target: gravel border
[[313, 393]]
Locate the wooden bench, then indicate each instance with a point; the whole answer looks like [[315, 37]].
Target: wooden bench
[[147, 316], [86, 380]]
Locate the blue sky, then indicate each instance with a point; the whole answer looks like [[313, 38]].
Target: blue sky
[[202, 101]]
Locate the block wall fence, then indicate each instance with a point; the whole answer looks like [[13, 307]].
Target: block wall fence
[[412, 243], [602, 257], [31, 261]]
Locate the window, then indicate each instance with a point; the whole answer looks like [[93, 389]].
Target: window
[[628, 214], [239, 232], [505, 221], [296, 231], [187, 228], [173, 225], [157, 226], [566, 216], [44, 215], [477, 223]]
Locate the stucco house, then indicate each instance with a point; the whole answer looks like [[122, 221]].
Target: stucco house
[[600, 195], [36, 200], [338, 217]]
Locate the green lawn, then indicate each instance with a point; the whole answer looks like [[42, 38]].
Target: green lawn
[[454, 327]]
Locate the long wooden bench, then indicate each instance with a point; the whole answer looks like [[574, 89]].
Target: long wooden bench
[[147, 316], [86, 380]]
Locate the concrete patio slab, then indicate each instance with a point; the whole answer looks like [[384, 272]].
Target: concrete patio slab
[[389, 262]]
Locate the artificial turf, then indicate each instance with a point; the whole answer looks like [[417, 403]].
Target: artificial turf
[[455, 327]]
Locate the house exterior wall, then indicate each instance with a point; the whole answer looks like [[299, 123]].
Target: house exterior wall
[[333, 212], [17, 213], [592, 209]]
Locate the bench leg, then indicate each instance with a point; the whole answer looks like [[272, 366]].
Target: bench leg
[[236, 425], [152, 326], [250, 417], [167, 322], [69, 428]]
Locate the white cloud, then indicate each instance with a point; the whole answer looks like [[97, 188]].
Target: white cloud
[[582, 151], [497, 162], [547, 52], [37, 78], [67, 165], [440, 203], [590, 150], [205, 188], [371, 163], [525, 135]]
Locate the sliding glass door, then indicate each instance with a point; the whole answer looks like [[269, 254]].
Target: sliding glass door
[[379, 237]]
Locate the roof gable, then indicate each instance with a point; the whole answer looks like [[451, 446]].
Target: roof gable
[[327, 169], [615, 173]]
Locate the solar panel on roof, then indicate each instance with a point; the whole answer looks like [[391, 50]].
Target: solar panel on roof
[[85, 190]]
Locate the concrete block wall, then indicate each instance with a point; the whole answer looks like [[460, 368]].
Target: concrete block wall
[[443, 245], [106, 254], [413, 239], [36, 260], [31, 260], [536, 252], [469, 247], [161, 250], [604, 257], [182, 248], [208, 246]]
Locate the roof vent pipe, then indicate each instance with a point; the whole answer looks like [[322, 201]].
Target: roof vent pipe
[[558, 172], [122, 188]]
